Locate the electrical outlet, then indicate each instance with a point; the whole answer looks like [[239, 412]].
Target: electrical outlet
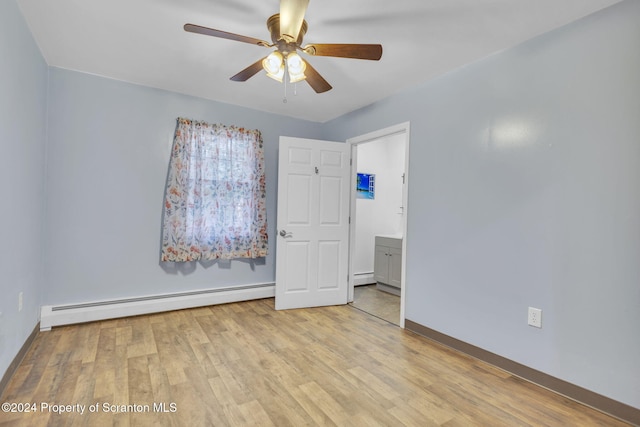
[[535, 317], [20, 297]]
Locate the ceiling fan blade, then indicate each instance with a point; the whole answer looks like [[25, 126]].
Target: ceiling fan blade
[[315, 80], [356, 51], [248, 72], [223, 34], [291, 17]]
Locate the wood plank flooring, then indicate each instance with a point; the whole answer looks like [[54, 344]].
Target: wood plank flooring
[[245, 364]]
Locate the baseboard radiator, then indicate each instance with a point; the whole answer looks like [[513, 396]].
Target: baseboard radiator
[[363, 279], [58, 315]]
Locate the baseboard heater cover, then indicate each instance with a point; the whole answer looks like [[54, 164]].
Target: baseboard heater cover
[[363, 279], [59, 315]]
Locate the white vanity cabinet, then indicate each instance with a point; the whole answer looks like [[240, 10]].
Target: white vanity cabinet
[[387, 266]]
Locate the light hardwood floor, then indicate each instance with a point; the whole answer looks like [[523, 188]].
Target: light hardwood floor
[[246, 364]]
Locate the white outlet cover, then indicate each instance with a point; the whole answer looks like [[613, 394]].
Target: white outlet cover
[[535, 317]]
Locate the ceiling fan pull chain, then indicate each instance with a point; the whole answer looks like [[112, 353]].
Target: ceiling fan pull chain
[[284, 101]]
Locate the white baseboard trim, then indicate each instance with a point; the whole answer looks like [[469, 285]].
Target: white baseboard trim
[[51, 316], [363, 279]]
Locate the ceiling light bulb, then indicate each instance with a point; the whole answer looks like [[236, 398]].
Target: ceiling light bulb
[[296, 67], [273, 65], [273, 62]]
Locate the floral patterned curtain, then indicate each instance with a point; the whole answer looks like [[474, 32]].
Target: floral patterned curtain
[[214, 204]]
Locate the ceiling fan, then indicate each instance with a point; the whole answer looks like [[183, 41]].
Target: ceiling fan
[[287, 29]]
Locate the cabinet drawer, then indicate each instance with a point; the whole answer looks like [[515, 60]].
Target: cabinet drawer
[[390, 242]]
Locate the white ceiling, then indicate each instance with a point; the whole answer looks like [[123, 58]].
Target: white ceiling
[[142, 41]]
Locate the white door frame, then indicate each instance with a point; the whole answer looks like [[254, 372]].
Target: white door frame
[[402, 128]]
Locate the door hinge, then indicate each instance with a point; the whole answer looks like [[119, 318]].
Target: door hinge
[[349, 220], [350, 162]]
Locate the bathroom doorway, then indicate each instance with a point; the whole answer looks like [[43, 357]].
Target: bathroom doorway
[[378, 215]]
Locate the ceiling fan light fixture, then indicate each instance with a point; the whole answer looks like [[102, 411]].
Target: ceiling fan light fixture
[[295, 67], [274, 65], [287, 30]]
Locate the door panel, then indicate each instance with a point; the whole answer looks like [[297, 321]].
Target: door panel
[[395, 267], [299, 191], [331, 159], [296, 276], [313, 223], [330, 206], [381, 264], [299, 156], [328, 264]]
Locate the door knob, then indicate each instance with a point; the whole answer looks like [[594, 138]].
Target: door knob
[[285, 233]]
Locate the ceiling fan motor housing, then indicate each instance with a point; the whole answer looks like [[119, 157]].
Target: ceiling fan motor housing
[[285, 44]]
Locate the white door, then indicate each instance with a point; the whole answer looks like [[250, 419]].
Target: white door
[[313, 223]]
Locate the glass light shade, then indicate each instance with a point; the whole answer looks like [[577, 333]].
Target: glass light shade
[[274, 65], [296, 67]]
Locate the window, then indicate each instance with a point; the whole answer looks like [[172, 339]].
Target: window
[[214, 204]]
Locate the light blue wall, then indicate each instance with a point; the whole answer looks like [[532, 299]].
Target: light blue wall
[[23, 94], [524, 190], [109, 146]]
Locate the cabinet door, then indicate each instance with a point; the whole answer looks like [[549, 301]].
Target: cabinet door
[[395, 267], [381, 264]]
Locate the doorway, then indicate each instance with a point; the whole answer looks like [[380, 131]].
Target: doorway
[[378, 214]]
